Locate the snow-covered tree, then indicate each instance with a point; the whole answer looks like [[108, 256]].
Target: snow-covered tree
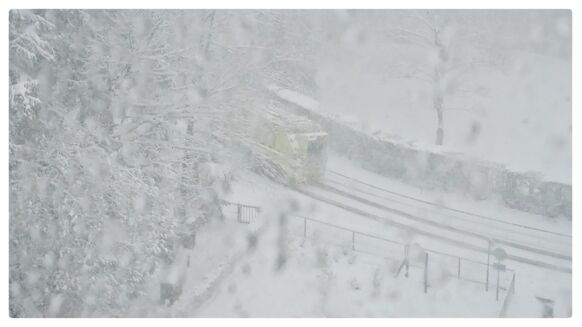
[[449, 47], [113, 117]]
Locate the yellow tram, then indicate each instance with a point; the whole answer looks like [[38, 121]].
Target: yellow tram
[[296, 144]]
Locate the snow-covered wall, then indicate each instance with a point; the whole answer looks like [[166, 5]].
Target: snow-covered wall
[[435, 169]]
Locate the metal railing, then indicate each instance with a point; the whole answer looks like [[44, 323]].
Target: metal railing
[[463, 268], [245, 214]]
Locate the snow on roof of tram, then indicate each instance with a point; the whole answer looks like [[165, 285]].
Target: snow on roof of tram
[[294, 97], [292, 122], [312, 134]]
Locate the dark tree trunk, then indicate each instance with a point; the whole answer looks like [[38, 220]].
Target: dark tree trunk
[[438, 106], [440, 134], [439, 90]]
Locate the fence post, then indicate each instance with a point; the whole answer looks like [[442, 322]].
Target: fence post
[[508, 297], [488, 256], [406, 250], [425, 272], [354, 241], [497, 289], [459, 269], [238, 213]]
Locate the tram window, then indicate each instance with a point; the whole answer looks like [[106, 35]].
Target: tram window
[[315, 148]]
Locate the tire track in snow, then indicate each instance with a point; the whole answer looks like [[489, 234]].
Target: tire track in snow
[[472, 221], [444, 226], [449, 208], [451, 241]]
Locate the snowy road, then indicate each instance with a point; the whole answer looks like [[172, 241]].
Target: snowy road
[[553, 246], [526, 243], [439, 232]]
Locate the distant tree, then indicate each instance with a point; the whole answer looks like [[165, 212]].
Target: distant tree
[[451, 42]]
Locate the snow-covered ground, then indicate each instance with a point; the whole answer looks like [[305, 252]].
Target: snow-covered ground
[[196, 271], [319, 280], [331, 272]]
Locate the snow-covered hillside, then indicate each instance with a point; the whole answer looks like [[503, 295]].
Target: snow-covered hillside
[[518, 115]]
